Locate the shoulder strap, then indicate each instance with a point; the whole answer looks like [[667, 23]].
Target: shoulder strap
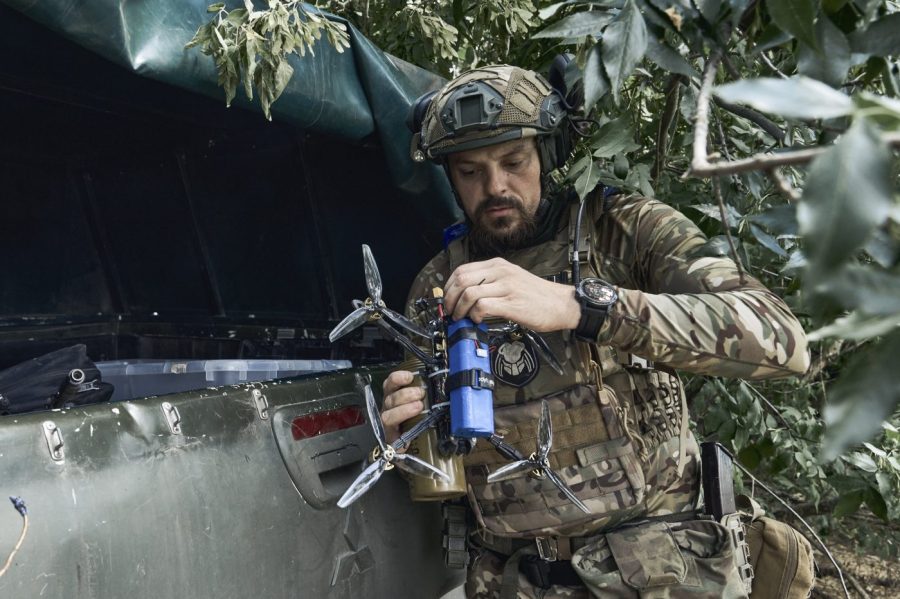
[[455, 244], [592, 210]]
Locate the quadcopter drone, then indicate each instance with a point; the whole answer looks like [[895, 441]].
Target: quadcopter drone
[[460, 386]]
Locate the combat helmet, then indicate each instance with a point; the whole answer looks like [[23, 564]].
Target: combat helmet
[[491, 105]]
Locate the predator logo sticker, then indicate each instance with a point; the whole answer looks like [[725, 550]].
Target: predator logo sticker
[[513, 363]]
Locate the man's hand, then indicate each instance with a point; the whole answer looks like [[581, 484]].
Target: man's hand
[[401, 402], [500, 289]]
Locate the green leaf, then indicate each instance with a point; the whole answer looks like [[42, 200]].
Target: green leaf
[[796, 17], [848, 193], [862, 461], [715, 247], [595, 84], [750, 457], [639, 178], [831, 65], [880, 109], [832, 6], [667, 58], [876, 503], [579, 24], [614, 137], [588, 179], [881, 38], [215, 7], [864, 396], [738, 8], [549, 11], [865, 288], [780, 220], [282, 78], [798, 97], [857, 327], [767, 241], [849, 504], [624, 44], [771, 37], [710, 9], [238, 16], [713, 212]]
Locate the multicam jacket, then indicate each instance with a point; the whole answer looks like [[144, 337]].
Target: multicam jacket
[[620, 435]]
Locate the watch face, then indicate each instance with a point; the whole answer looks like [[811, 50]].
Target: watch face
[[598, 291]]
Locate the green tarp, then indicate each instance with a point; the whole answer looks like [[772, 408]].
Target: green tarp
[[356, 95]]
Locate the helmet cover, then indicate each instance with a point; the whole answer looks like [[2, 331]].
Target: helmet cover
[[488, 106]]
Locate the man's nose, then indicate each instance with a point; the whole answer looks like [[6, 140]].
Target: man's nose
[[496, 182]]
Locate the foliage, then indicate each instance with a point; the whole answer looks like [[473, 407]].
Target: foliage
[[253, 45], [774, 125]]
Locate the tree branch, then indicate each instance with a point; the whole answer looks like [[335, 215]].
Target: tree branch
[[737, 259], [763, 161], [701, 123], [783, 185], [670, 113], [702, 167], [757, 118], [769, 64]]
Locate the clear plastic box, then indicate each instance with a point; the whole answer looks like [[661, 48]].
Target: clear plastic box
[[142, 378]]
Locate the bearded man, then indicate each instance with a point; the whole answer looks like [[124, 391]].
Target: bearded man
[[620, 291]]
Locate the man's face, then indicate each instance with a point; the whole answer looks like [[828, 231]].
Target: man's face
[[500, 190]]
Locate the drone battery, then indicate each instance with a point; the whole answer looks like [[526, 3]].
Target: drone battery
[[469, 381]]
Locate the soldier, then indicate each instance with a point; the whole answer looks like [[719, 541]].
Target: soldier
[[632, 302]]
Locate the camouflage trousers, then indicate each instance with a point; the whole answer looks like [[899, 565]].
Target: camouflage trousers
[[667, 493]]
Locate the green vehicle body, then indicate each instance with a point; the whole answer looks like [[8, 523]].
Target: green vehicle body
[[148, 222]]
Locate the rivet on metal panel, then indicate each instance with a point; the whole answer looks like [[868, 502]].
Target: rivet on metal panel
[[262, 404], [173, 418], [54, 440]]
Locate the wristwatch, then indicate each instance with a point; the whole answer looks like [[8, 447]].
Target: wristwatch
[[596, 297]]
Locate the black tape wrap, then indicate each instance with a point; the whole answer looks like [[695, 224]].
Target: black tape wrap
[[473, 333], [475, 378]]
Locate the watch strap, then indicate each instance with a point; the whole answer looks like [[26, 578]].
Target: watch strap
[[592, 319]]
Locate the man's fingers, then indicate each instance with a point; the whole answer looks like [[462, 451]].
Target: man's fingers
[[396, 380], [465, 277], [395, 416], [474, 297], [403, 396]]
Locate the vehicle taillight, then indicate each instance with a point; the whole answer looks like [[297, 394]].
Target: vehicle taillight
[[320, 423]]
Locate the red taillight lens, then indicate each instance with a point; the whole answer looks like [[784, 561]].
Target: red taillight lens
[[320, 423]]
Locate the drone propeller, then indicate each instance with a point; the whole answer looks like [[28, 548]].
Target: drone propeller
[[544, 350], [536, 341], [539, 462], [373, 308], [385, 457]]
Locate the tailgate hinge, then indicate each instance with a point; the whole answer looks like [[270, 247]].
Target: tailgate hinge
[[262, 404], [173, 418], [54, 440]]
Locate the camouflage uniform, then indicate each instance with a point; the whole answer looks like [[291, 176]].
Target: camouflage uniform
[[620, 428]]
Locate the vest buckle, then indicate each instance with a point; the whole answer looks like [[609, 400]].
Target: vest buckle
[[547, 548]]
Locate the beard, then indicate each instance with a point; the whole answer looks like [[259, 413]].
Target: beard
[[493, 236]]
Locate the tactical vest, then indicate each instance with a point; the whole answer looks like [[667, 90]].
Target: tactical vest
[[608, 412]]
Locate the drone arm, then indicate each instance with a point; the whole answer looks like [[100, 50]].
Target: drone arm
[[505, 449], [406, 343], [417, 429]]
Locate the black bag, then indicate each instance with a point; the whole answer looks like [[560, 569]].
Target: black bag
[[61, 379]]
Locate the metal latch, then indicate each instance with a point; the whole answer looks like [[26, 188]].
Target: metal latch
[[262, 404], [173, 418], [54, 440]]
